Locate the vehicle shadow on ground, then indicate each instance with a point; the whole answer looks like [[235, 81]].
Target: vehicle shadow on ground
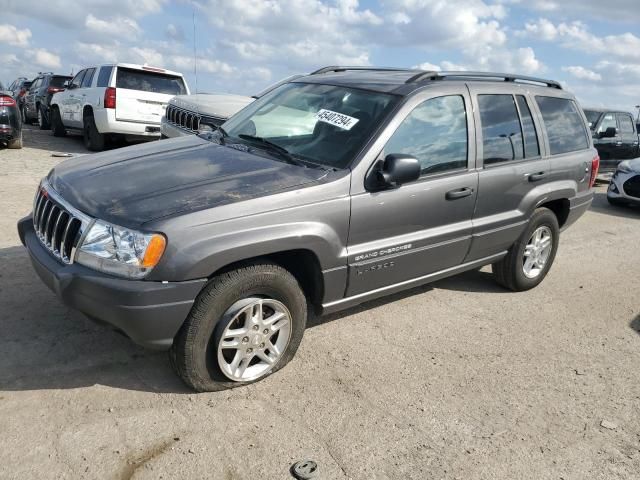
[[45, 345], [635, 324], [601, 205]]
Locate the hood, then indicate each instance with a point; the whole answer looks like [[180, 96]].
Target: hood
[[634, 164], [214, 105], [134, 185]]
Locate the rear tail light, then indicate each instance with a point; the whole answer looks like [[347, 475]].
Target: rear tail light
[[110, 97], [6, 101], [595, 165], [54, 89]]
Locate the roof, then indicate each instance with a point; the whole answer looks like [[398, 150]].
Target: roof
[[404, 81], [606, 110]]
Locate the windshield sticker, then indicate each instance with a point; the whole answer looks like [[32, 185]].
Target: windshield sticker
[[336, 119]]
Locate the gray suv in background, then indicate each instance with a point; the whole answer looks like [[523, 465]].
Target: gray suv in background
[[337, 188]]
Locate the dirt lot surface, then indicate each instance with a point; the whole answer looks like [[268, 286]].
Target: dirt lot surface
[[459, 379]]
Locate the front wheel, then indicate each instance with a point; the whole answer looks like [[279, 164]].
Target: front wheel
[[530, 258], [245, 325]]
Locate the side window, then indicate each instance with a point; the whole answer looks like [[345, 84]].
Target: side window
[[88, 76], [565, 126], [531, 147], [501, 131], [35, 84], [626, 124], [104, 76], [435, 132], [608, 121], [77, 80]]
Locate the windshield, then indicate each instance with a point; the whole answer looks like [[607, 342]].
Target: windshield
[[592, 117], [322, 124]]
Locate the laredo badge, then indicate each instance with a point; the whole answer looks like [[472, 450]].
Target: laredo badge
[[336, 119]]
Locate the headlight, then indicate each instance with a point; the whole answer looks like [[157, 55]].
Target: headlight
[[120, 251], [624, 167], [205, 128]]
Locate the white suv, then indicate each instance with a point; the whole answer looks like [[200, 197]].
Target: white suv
[[115, 99]]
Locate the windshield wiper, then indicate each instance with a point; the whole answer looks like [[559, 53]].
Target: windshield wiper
[[273, 147]]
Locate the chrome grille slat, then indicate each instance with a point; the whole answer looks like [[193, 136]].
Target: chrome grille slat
[[57, 225], [186, 119]]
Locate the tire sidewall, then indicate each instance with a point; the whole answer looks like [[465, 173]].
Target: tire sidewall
[[541, 217], [263, 283]]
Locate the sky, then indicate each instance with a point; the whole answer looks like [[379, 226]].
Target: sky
[[241, 46]]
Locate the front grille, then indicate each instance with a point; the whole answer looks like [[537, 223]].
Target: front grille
[[58, 228], [188, 120], [632, 186]]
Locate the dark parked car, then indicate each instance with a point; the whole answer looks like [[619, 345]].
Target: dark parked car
[[19, 89], [10, 120], [336, 188], [38, 97], [615, 136]]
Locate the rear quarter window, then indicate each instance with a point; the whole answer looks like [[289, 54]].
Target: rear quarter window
[[104, 76], [149, 81], [564, 125]]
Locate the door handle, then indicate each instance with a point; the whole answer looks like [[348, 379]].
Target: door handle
[[534, 177], [458, 193]]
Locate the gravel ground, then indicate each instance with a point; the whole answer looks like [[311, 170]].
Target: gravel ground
[[459, 379]]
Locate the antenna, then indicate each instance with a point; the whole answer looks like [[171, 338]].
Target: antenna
[[195, 58]]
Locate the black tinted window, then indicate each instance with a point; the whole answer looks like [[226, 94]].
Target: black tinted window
[[77, 80], [531, 148], [104, 76], [58, 81], [564, 124], [149, 81], [435, 132], [501, 132], [88, 77], [626, 124]]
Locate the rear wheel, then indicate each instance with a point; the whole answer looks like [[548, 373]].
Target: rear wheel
[[245, 325], [93, 140], [56, 123], [43, 118], [530, 258], [16, 143]]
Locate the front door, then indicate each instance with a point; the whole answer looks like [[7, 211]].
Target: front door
[[424, 226], [628, 137]]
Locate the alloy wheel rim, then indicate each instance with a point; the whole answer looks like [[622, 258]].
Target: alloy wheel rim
[[256, 335], [537, 252]]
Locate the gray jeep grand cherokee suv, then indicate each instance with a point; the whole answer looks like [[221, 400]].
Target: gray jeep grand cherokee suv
[[336, 188]]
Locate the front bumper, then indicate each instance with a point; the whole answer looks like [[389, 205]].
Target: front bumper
[[616, 190], [150, 313]]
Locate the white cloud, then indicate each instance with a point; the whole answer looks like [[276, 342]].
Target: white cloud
[[89, 53], [44, 58], [14, 36], [582, 73], [623, 10], [116, 27], [430, 67], [174, 32], [542, 29]]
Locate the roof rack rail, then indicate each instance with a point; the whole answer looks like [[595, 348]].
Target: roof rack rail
[[337, 68], [505, 77]]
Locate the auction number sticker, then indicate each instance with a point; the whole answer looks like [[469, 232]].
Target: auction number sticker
[[336, 119]]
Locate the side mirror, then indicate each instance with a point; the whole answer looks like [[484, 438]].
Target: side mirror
[[610, 132], [395, 170]]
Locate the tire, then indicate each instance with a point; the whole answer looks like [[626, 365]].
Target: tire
[[510, 271], [43, 118], [23, 113], [195, 354], [93, 140], [56, 123], [16, 143]]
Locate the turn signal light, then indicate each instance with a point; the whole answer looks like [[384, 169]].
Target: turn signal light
[[154, 251]]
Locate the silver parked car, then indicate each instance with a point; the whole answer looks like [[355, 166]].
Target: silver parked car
[[624, 188]]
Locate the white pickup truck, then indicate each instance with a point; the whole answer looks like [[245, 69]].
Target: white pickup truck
[[115, 100]]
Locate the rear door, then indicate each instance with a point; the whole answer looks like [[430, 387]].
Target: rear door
[[608, 147], [511, 165], [30, 97], [628, 137], [421, 227], [142, 95]]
